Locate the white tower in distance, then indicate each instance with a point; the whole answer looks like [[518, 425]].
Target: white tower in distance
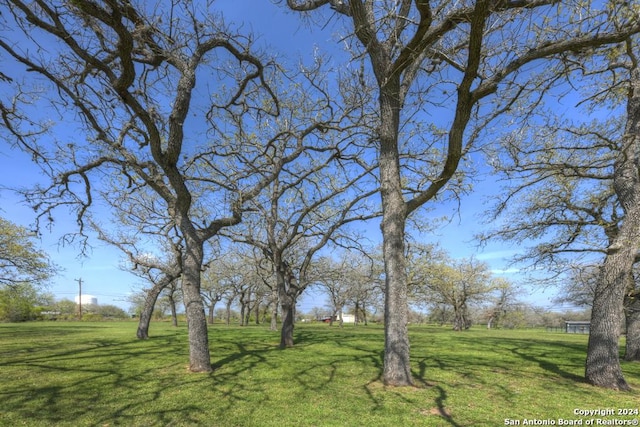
[[87, 299]]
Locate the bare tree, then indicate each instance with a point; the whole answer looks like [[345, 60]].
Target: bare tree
[[308, 205], [356, 280], [214, 286], [150, 243], [603, 366], [445, 58], [333, 276], [572, 189], [303, 212], [134, 79]]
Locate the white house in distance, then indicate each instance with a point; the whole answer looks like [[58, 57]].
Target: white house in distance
[[348, 318], [87, 300]]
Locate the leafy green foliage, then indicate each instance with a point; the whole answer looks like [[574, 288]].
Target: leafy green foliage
[[80, 374], [20, 260], [17, 303]]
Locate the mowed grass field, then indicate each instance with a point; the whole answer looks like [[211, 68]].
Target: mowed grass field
[[99, 374]]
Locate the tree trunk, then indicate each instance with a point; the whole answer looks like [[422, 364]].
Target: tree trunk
[[256, 310], [228, 312], [274, 311], [149, 305], [199, 357], [287, 308], [174, 314], [465, 316], [274, 315], [212, 307], [364, 314], [397, 369], [287, 299], [459, 322], [603, 359], [247, 315], [286, 334], [243, 308], [632, 317]]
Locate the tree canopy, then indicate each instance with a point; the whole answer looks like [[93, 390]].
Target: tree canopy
[[20, 259]]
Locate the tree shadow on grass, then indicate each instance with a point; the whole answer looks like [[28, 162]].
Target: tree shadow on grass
[[100, 379], [370, 355], [112, 380], [76, 381], [556, 358]]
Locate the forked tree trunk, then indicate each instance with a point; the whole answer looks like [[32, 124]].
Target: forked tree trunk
[[149, 305], [147, 312], [459, 320]]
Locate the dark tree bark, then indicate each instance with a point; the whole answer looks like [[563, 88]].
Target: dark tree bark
[[150, 302], [287, 295], [274, 310], [212, 308], [363, 310], [287, 305], [632, 317], [172, 308], [147, 311], [243, 307], [603, 359], [459, 318], [248, 309], [227, 316]]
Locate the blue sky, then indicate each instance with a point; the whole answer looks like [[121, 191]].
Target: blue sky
[[284, 31]]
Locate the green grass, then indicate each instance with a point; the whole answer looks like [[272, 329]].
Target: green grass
[[99, 374]]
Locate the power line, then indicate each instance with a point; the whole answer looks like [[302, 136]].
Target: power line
[[79, 297]]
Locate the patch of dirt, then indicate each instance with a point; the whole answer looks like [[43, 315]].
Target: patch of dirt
[[437, 411]]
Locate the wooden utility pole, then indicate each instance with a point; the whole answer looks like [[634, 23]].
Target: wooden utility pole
[[79, 297]]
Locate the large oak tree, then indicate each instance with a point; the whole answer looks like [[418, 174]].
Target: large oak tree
[[447, 60], [573, 190], [120, 95]]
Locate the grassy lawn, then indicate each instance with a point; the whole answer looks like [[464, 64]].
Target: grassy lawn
[[99, 374]]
